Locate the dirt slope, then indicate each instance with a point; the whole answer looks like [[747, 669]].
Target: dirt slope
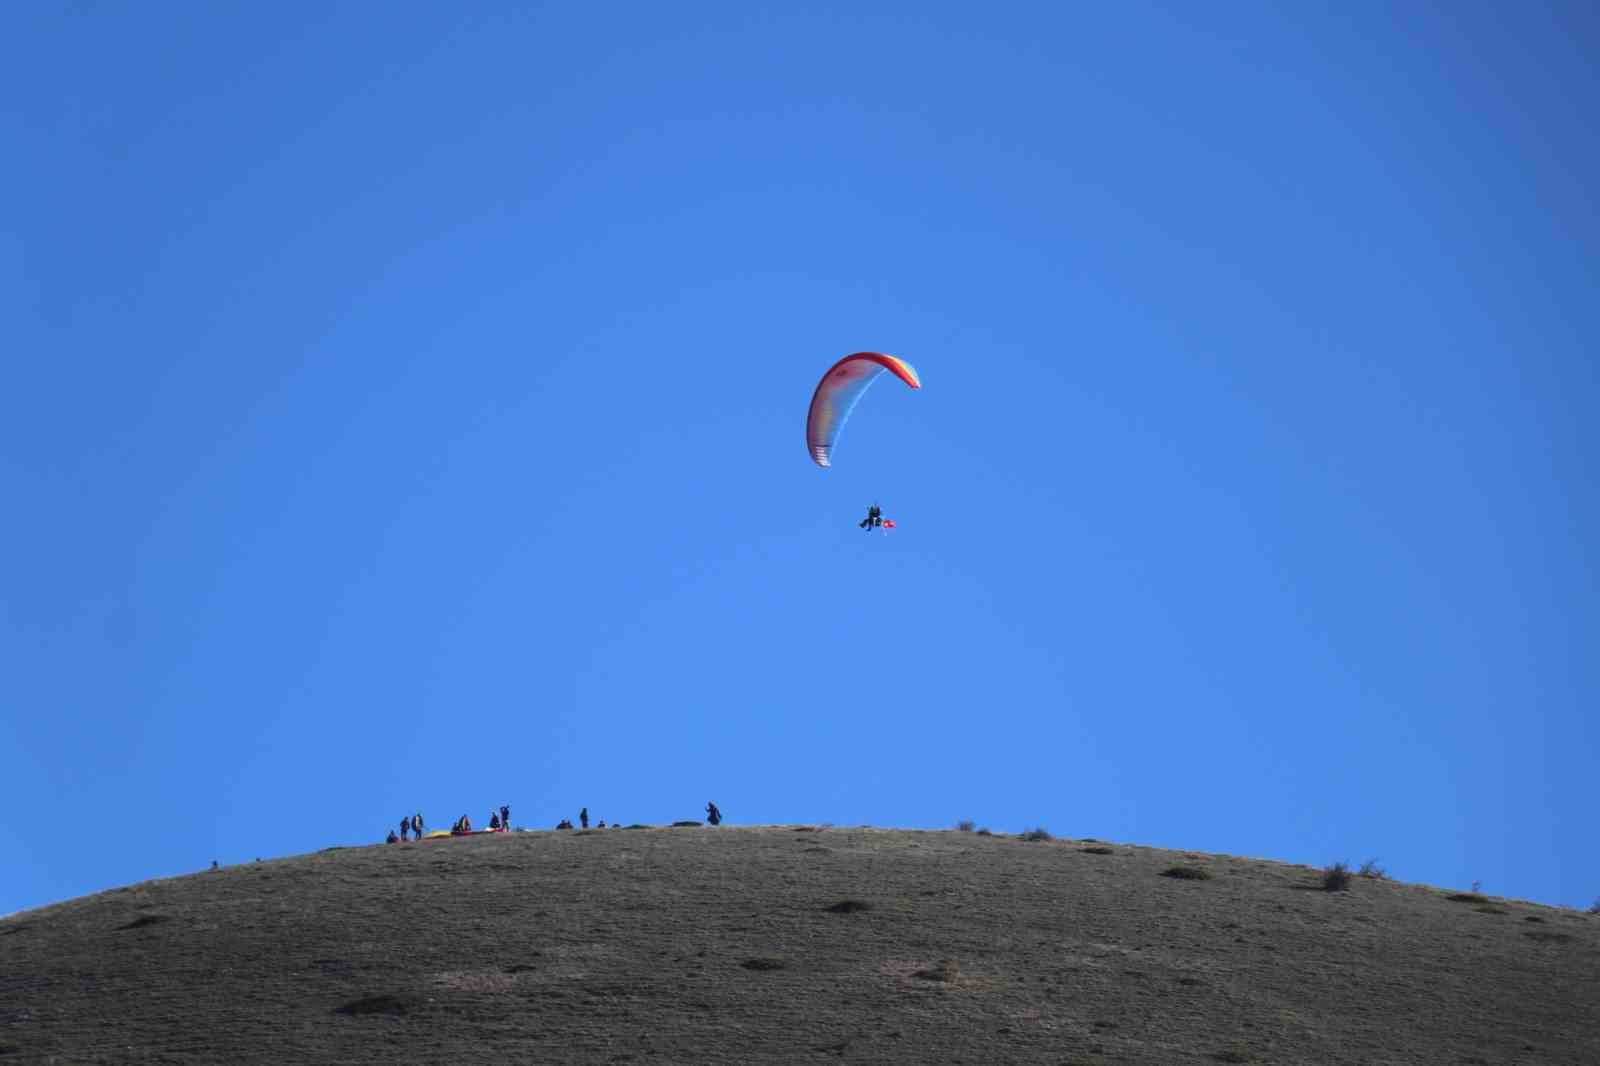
[[729, 946]]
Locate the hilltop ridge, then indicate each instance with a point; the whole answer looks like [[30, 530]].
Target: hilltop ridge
[[792, 944]]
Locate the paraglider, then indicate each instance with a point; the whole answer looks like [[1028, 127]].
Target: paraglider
[[839, 390], [875, 520], [836, 396]]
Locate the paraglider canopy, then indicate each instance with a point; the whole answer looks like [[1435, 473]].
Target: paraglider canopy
[[838, 392]]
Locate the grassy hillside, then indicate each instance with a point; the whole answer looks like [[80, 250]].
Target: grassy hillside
[[792, 944]]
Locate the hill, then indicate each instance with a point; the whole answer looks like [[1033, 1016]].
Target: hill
[[792, 944]]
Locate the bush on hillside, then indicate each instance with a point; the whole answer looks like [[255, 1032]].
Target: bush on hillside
[[1187, 873], [1372, 870], [966, 826], [1336, 878], [849, 906], [1040, 833]]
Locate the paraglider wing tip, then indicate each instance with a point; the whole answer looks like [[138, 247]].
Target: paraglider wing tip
[[820, 457]]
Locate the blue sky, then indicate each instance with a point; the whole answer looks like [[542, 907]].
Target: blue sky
[[405, 409]]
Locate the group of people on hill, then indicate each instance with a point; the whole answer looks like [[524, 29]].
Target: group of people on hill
[[583, 817], [500, 821], [412, 825]]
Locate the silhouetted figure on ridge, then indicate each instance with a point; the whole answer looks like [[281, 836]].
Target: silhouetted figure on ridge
[[392, 839], [416, 824], [405, 827], [713, 815], [583, 816], [505, 816]]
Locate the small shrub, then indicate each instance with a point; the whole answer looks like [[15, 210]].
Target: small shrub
[[849, 906], [984, 832], [1465, 897], [1336, 878], [145, 920], [1098, 849], [1040, 833], [386, 1004], [684, 825], [1187, 873], [1231, 1055], [966, 826], [1372, 870], [763, 965]]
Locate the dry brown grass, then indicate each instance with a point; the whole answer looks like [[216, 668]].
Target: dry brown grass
[[663, 946]]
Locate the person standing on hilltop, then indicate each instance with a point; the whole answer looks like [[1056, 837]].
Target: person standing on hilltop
[[583, 816], [405, 827], [505, 817], [416, 824], [713, 815]]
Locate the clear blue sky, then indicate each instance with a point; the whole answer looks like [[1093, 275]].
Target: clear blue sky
[[403, 407]]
